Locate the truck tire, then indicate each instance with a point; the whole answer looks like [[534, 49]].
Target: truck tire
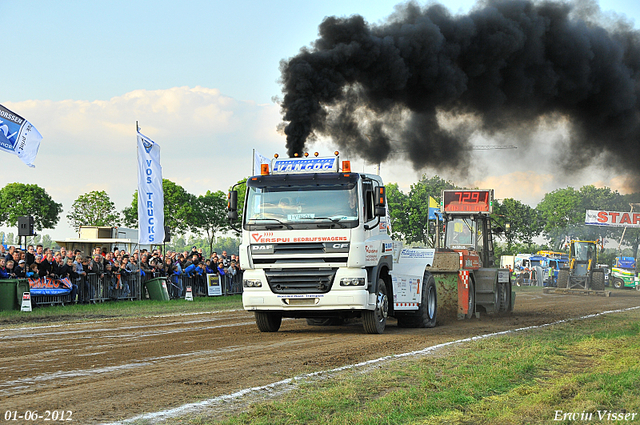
[[597, 281], [563, 278], [268, 321], [471, 307], [426, 315], [618, 283], [375, 321], [325, 321], [504, 297]]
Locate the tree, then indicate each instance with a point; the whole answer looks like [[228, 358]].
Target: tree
[[178, 208], [524, 221], [93, 209], [411, 220], [210, 215], [563, 211], [396, 201], [19, 199]]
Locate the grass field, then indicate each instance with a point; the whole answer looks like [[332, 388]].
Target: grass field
[[585, 371]]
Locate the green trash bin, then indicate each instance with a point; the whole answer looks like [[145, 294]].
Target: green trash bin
[[11, 293], [22, 287], [157, 288]]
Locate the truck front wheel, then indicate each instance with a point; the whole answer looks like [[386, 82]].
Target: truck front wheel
[[267, 321], [618, 283], [375, 321]]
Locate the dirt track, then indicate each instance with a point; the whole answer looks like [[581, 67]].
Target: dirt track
[[114, 368]]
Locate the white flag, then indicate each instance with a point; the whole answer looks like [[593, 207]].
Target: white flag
[[18, 136], [258, 160], [150, 193]]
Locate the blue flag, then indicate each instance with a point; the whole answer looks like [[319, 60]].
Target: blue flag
[[18, 136], [434, 209]]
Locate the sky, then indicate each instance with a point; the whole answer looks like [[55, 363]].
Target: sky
[[201, 79]]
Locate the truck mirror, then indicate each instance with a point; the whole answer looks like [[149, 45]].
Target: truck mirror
[[381, 202], [232, 205]]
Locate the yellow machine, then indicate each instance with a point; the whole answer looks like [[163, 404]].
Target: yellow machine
[[582, 272]]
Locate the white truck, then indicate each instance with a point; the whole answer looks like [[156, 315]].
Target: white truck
[[316, 245]]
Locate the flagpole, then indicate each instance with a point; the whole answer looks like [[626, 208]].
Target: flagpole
[[253, 163]]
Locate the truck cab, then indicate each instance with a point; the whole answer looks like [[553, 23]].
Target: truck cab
[[315, 244]]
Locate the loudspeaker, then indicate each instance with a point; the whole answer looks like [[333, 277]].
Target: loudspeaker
[[167, 234], [25, 226]]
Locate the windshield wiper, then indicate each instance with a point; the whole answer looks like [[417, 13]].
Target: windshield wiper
[[333, 220], [273, 219]]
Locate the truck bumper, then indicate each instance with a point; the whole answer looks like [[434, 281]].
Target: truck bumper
[[333, 300], [338, 298]]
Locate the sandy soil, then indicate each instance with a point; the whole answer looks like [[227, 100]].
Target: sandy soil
[[112, 369]]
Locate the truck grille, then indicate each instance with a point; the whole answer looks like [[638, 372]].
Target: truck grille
[[299, 248], [300, 281], [287, 253]]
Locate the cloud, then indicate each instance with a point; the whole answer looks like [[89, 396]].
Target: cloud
[[206, 140]]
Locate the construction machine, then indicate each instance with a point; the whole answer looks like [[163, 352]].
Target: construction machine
[[582, 272]]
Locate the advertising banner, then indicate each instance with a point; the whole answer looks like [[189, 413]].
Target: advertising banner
[[213, 285], [18, 136], [48, 286], [150, 193], [612, 218]]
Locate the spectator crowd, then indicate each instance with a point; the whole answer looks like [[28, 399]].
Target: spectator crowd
[[115, 268]]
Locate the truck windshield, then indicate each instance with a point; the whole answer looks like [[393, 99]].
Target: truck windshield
[[302, 206]]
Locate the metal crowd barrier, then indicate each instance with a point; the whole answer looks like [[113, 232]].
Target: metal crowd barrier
[[93, 289], [44, 300]]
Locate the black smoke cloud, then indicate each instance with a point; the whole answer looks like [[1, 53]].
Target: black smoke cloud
[[508, 64]]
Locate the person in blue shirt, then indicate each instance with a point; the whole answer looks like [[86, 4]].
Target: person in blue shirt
[[4, 274]]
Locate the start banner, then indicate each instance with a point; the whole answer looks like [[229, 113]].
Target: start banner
[[612, 218]]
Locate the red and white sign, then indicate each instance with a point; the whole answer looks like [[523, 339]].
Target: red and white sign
[[612, 218]]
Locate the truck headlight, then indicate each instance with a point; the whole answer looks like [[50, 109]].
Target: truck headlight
[[352, 281], [252, 283]]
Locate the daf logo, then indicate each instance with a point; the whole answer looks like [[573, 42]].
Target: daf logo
[[261, 247]]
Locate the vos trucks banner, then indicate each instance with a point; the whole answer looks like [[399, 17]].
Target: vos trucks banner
[[18, 136], [612, 218], [150, 194]]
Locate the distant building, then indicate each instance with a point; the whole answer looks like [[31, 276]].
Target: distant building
[[107, 238]]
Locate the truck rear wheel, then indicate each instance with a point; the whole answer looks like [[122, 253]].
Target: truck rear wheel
[[563, 278], [268, 321], [597, 281], [618, 283], [426, 315], [375, 321]]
